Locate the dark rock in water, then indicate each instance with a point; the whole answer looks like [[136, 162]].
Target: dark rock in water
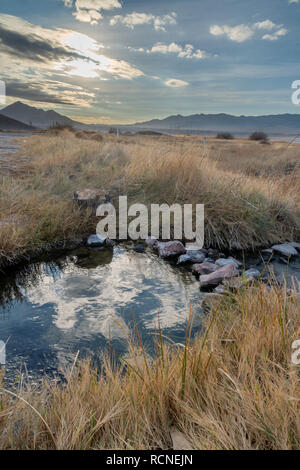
[[139, 248], [285, 249], [215, 278], [91, 199], [170, 249], [96, 241], [191, 257]]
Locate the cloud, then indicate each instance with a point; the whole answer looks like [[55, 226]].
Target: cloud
[[53, 92], [134, 19], [33, 47], [33, 56], [242, 32], [238, 33], [59, 49], [136, 49], [267, 24], [172, 82], [293, 1], [184, 52], [276, 35], [89, 11]]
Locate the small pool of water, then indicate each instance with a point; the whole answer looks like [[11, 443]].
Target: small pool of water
[[87, 301]]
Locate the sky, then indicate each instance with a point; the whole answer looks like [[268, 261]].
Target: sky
[[126, 61]]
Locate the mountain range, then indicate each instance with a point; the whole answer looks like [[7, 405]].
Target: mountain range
[[37, 117], [278, 124]]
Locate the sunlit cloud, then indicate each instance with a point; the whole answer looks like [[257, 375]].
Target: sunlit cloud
[[183, 52], [174, 83], [57, 48], [90, 11], [134, 19]]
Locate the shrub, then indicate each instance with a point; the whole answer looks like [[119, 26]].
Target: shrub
[[259, 136], [225, 136], [57, 128]]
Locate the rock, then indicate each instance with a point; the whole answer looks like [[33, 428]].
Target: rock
[[151, 241], [268, 251], [209, 260], [213, 254], [211, 300], [194, 247], [285, 249], [179, 441], [110, 243], [197, 256], [255, 273], [220, 290], [191, 257], [284, 260], [96, 240], [295, 245], [91, 198], [170, 249], [215, 278], [184, 259], [225, 262], [139, 248], [238, 282], [204, 268]]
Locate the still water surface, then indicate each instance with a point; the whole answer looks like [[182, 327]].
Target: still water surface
[[89, 300]]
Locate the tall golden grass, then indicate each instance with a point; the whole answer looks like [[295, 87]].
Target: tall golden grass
[[250, 191], [234, 387]]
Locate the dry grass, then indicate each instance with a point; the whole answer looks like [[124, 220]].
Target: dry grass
[[233, 388], [250, 191]]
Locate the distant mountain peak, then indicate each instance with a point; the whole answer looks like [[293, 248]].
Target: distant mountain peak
[[37, 117]]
